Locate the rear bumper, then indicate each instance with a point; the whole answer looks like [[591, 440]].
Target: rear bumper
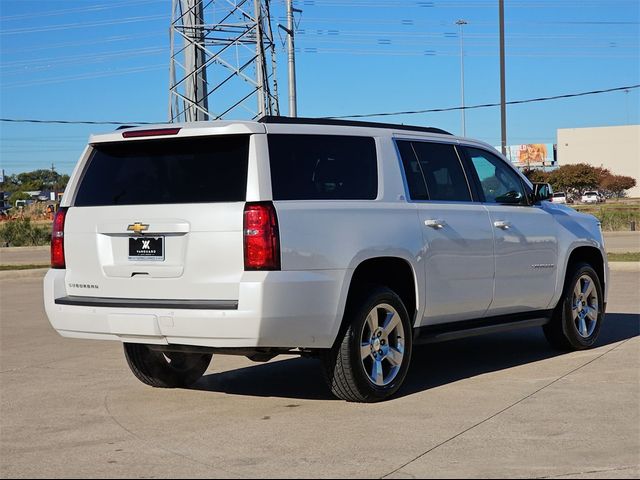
[[274, 309]]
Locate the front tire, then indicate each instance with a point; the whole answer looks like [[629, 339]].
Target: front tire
[[372, 359], [577, 319], [165, 369]]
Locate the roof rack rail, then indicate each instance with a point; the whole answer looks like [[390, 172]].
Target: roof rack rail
[[122, 127], [347, 123]]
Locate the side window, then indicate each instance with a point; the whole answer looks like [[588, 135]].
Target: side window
[[323, 167], [442, 172], [412, 171], [499, 183]]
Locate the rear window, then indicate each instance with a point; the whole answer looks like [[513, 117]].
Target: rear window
[[184, 170], [558, 194], [323, 167], [591, 193]]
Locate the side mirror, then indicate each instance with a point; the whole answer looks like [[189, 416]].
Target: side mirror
[[542, 191]]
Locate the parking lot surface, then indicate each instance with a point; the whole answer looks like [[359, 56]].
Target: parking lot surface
[[503, 405]]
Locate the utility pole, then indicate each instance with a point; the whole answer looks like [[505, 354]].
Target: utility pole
[[291, 57], [461, 23], [503, 99]]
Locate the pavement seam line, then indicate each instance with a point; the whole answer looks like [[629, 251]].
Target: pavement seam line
[[178, 454], [602, 470], [503, 410], [40, 365]]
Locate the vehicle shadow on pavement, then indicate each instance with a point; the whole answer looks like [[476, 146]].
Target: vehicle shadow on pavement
[[432, 365]]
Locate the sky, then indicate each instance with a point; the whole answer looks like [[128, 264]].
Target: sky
[[108, 60]]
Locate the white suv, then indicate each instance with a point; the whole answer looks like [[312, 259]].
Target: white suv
[[559, 197], [591, 197], [347, 241]]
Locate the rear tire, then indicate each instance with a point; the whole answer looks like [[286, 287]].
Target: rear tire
[[577, 319], [165, 369], [372, 358]]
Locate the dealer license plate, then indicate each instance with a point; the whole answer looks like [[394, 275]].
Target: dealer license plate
[[146, 248]]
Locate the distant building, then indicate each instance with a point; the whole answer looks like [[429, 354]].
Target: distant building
[[614, 148]]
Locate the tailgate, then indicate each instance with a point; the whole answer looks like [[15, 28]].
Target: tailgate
[[159, 219]]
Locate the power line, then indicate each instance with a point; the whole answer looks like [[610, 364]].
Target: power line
[[72, 122], [384, 114], [68, 26], [89, 9], [487, 105]]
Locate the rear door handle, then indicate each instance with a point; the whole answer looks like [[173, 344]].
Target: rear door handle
[[502, 224], [437, 224]]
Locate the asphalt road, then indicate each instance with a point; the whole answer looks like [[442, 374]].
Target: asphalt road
[[622, 242], [497, 406]]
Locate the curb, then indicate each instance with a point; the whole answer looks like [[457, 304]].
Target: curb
[[624, 266], [31, 273]]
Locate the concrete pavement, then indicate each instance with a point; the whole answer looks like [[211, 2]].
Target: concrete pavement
[[25, 255], [497, 406]]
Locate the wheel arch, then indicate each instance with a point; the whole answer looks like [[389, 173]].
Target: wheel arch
[[394, 272], [591, 255]]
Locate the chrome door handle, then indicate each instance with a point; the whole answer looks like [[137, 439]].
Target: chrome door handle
[[437, 224], [504, 225]]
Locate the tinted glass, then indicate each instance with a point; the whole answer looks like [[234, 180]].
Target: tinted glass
[[412, 171], [323, 167], [187, 170], [499, 183], [442, 172]]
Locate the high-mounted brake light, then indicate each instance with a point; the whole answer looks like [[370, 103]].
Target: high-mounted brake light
[[261, 237], [57, 239], [150, 133]]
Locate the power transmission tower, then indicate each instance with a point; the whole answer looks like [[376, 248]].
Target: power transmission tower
[[223, 60]]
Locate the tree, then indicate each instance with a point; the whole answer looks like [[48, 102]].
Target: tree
[[18, 196], [536, 176], [35, 180], [615, 185], [42, 180], [10, 184], [575, 179]]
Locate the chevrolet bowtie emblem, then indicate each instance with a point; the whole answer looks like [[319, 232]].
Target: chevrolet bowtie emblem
[[138, 227]]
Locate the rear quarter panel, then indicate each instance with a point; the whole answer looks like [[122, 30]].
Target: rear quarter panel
[[332, 235]]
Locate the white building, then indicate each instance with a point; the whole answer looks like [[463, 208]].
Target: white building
[[614, 148]]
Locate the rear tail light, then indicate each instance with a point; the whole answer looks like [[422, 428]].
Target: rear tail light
[[261, 237], [57, 239]]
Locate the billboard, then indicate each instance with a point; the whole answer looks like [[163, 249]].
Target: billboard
[[531, 154]]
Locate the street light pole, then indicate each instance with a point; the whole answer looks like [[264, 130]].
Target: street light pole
[[503, 97], [461, 23]]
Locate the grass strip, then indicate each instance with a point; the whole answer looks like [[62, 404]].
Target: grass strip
[[29, 266], [624, 257]]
